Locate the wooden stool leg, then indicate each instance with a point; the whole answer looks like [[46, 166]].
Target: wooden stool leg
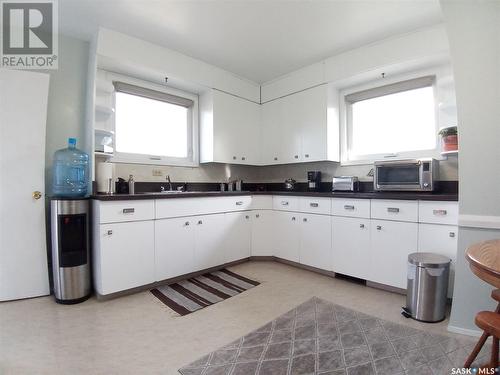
[[494, 353], [476, 350]]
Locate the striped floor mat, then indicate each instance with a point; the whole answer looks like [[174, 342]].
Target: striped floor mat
[[196, 293]]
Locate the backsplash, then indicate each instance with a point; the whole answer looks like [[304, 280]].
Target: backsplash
[[214, 172]]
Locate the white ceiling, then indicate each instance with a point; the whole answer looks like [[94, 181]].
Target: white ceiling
[[256, 39]]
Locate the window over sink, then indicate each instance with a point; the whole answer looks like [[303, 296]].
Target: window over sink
[[155, 125], [392, 121]]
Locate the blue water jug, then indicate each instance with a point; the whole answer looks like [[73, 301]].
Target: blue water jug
[[71, 171]]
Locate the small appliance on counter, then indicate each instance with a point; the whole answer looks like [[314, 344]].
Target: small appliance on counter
[[69, 220], [345, 183], [314, 180], [406, 175], [290, 184], [121, 186]]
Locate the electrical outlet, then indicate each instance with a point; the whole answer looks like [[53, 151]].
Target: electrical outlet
[[157, 172]]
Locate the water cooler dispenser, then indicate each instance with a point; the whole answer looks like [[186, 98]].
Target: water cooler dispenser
[[70, 249]]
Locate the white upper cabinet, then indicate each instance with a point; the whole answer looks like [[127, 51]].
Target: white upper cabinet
[[229, 129], [296, 129]]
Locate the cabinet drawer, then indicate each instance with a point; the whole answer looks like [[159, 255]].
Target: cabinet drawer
[[395, 210], [284, 203], [238, 203], [262, 202], [438, 212], [122, 211], [315, 205], [351, 207], [168, 208]]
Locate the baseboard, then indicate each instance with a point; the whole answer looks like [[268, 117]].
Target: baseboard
[[464, 331], [387, 288]]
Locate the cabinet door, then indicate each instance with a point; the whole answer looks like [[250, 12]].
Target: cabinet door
[[174, 247], [315, 241], [312, 123], [351, 246], [263, 233], [287, 234], [291, 142], [391, 243], [272, 117], [209, 241], [238, 232], [127, 255], [440, 239]]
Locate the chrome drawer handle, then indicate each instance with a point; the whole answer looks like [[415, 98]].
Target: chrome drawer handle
[[304, 220], [379, 227], [452, 234], [239, 203], [257, 216], [110, 232], [186, 223], [128, 210], [293, 218], [247, 217], [200, 222], [348, 207], [234, 157], [284, 203], [275, 158], [440, 212], [314, 204], [243, 158], [296, 156], [306, 155], [393, 209], [361, 226]]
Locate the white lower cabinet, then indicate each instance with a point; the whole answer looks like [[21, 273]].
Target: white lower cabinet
[[174, 247], [209, 241], [440, 239], [351, 246], [287, 234], [316, 241], [125, 256], [238, 235], [263, 233], [391, 243]]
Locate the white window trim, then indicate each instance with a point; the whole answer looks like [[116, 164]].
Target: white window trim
[[345, 131], [193, 151]]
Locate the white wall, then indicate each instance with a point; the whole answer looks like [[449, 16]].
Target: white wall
[[67, 98], [473, 29]]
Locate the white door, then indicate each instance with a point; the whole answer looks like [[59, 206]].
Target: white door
[[391, 243], [23, 253], [316, 241], [209, 241], [263, 233], [238, 235], [287, 234], [174, 247], [440, 239], [351, 246], [127, 255]]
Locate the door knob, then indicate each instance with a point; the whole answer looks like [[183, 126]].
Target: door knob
[[37, 194]]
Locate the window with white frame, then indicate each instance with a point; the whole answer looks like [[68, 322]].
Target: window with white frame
[[154, 127], [392, 121]]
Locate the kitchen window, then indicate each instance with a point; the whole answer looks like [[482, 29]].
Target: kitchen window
[[394, 121], [154, 127]]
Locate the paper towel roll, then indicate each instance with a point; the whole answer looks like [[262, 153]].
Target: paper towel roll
[[104, 171]]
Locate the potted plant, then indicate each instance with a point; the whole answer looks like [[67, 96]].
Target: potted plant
[[449, 137]]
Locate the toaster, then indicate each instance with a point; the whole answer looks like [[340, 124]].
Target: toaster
[[345, 183]]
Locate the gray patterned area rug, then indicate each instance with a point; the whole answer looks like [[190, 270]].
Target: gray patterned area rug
[[319, 337]]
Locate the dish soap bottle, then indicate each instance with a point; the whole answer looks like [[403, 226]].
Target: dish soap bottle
[[70, 171]]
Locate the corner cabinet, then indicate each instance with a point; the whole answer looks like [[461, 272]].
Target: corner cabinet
[[229, 129]]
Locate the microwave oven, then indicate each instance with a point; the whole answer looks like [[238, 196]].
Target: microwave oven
[[405, 175]]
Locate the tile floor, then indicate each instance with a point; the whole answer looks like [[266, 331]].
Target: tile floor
[[137, 334]]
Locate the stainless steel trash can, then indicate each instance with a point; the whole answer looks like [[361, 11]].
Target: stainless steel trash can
[[70, 249], [427, 290]]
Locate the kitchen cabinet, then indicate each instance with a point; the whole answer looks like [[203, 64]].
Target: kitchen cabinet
[[272, 117], [351, 246], [230, 129], [238, 236], [287, 233], [391, 243], [263, 233], [174, 247], [440, 239], [315, 241], [209, 234], [124, 256]]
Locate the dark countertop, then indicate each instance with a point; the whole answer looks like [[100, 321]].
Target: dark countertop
[[328, 194]]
